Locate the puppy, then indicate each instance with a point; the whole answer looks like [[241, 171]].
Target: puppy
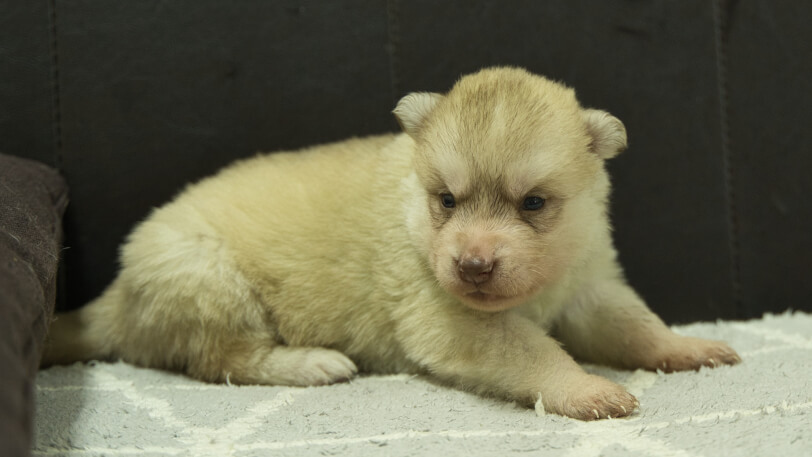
[[470, 249]]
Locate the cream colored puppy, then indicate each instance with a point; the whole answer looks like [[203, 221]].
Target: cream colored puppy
[[471, 248]]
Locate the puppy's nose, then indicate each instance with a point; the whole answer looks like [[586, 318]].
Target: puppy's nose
[[475, 269]]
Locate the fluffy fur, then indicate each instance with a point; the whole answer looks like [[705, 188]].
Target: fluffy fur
[[424, 252]]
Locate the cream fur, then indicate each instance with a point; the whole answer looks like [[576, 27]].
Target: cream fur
[[297, 267]]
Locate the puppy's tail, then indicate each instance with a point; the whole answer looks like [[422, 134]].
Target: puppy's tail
[[80, 335]]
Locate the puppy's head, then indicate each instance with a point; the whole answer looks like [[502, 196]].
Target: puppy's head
[[515, 187]]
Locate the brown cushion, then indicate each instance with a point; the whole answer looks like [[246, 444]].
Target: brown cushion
[[32, 200]]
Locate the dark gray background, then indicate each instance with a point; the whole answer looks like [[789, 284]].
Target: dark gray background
[[131, 100]]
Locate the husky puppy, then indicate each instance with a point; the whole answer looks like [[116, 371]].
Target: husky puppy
[[474, 248]]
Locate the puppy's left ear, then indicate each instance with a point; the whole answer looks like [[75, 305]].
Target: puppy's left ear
[[413, 109], [607, 132]]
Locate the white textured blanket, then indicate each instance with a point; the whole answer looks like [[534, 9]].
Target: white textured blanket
[[760, 407]]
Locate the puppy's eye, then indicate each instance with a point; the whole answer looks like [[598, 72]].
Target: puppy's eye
[[533, 203], [448, 200]]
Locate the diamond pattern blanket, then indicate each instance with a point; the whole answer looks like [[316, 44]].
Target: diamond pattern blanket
[[760, 407]]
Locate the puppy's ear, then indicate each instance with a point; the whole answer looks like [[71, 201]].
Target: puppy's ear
[[607, 132], [413, 109]]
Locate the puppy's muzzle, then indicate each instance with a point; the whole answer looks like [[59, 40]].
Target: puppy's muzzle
[[475, 269]]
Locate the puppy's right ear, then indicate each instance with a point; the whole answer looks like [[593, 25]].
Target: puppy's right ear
[[413, 109]]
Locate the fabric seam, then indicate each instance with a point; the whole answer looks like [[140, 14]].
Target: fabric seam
[[56, 106], [393, 43], [721, 16]]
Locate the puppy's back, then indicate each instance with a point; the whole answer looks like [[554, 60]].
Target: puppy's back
[[264, 232]]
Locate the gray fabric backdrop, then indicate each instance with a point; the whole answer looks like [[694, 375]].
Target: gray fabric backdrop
[[132, 100]]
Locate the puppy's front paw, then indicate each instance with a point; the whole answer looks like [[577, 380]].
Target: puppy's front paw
[[589, 397], [686, 353]]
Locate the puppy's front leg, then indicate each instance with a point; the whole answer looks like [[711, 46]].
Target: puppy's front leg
[[608, 323], [507, 355]]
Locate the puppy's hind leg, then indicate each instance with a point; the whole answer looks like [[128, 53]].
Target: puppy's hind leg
[[609, 324], [270, 363], [190, 308]]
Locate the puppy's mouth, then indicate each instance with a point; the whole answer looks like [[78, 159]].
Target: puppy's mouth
[[487, 301], [479, 295]]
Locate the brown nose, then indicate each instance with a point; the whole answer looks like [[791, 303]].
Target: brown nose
[[475, 269]]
